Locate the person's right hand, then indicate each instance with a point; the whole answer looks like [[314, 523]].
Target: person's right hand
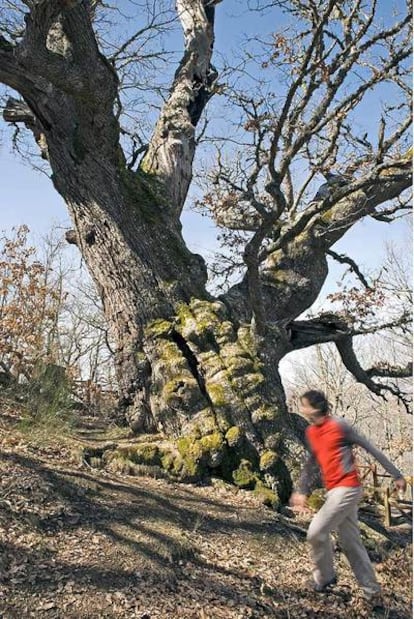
[[298, 500], [400, 484]]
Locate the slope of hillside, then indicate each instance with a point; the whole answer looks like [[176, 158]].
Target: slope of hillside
[[78, 542]]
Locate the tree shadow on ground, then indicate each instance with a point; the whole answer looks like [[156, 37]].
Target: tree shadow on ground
[[159, 532]]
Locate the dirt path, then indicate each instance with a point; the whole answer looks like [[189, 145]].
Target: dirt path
[[82, 543]]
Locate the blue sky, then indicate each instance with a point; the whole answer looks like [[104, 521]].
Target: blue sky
[[27, 196]]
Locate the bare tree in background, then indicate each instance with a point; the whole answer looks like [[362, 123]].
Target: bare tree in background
[[385, 420], [51, 315], [190, 363]]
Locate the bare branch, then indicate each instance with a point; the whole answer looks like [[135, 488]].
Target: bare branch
[[385, 370], [332, 327], [343, 259], [325, 328], [349, 358], [16, 111]]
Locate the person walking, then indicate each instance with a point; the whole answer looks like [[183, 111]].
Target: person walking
[[330, 442]]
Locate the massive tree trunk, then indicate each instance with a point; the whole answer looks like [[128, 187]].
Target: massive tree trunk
[[186, 366]]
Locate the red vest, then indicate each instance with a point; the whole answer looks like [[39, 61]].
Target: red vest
[[333, 453]]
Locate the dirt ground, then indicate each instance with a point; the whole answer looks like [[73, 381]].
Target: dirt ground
[[77, 543]]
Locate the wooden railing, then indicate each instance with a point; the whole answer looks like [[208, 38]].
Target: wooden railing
[[385, 494]]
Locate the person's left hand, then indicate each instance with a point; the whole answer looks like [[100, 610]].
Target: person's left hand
[[298, 500], [298, 503]]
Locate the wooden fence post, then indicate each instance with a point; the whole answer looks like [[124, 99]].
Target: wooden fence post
[[387, 508], [375, 481]]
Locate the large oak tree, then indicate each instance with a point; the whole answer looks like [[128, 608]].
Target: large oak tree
[[200, 368]]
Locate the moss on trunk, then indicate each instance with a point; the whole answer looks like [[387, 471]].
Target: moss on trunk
[[210, 397]]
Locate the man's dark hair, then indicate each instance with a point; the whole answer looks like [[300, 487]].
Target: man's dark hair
[[318, 400]]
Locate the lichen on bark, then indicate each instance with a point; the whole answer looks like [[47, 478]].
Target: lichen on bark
[[209, 393]]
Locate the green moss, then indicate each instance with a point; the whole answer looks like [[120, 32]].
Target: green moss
[[200, 319], [217, 394], [191, 470], [263, 413], [234, 436], [145, 166], [169, 390], [177, 465], [196, 455], [124, 463], [222, 419], [207, 309], [184, 445], [148, 454], [189, 445], [212, 442], [213, 447], [196, 448], [327, 216], [248, 383], [239, 365], [244, 476], [181, 387], [169, 351], [185, 465], [268, 460], [225, 330], [191, 453], [158, 328], [266, 495], [204, 327], [316, 499], [167, 461], [183, 313], [246, 339], [204, 423]]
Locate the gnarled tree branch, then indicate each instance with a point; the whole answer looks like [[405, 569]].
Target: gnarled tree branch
[[350, 360], [58, 49], [172, 147], [325, 328], [386, 370], [11, 72], [17, 111], [343, 259], [331, 327], [312, 233]]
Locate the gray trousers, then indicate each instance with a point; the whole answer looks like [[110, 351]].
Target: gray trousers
[[340, 513]]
